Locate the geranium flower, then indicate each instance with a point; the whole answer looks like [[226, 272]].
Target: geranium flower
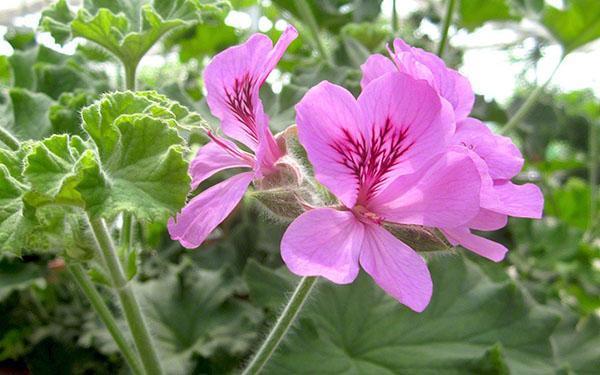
[[450, 84], [497, 158], [233, 80], [383, 156]]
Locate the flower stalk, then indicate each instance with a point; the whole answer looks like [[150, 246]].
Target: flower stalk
[[283, 324], [88, 289], [446, 27], [131, 308]]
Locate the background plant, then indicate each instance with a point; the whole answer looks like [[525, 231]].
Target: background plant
[[208, 309]]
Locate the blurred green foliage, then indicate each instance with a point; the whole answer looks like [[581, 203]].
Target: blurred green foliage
[[208, 309]]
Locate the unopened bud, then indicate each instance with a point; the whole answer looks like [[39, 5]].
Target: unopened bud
[[420, 238]]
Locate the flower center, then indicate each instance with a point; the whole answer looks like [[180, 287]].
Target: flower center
[[366, 216]]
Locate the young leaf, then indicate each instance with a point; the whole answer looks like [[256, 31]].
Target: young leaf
[[358, 328], [25, 113], [132, 163], [126, 29]]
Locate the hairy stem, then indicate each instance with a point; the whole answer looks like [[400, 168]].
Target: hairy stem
[[87, 287], [283, 324], [8, 139], [309, 20], [130, 76], [446, 27], [126, 235], [131, 308], [529, 102]]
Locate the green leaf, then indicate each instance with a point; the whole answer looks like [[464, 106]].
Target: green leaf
[[20, 38], [567, 203], [577, 343], [25, 113], [193, 311], [267, 287], [359, 329], [135, 164], [21, 226], [126, 29], [575, 26], [65, 114], [333, 14], [474, 13], [205, 39]]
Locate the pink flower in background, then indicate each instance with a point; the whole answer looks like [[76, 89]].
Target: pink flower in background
[[384, 156], [420, 64], [499, 160], [233, 80]]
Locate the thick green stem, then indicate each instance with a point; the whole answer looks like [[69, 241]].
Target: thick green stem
[[446, 27], [87, 287], [131, 308], [283, 324], [8, 139], [126, 236], [130, 76], [394, 18], [309, 20], [529, 102]]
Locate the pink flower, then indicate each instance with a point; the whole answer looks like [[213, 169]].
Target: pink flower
[[384, 157], [233, 80], [498, 160], [420, 64]]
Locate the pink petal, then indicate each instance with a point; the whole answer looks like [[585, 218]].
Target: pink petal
[[327, 115], [479, 245], [502, 157], [396, 268], [450, 84], [445, 193], [375, 66], [409, 123], [488, 220], [212, 158], [233, 80], [519, 200], [324, 242], [206, 211]]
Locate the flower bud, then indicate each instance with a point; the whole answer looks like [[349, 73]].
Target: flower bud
[[421, 239]]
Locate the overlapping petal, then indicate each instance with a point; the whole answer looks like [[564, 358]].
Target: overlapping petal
[[502, 157], [450, 84], [324, 242], [328, 116], [407, 123], [519, 200], [206, 211], [233, 80], [479, 245], [396, 268], [212, 158], [376, 66], [444, 193]]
